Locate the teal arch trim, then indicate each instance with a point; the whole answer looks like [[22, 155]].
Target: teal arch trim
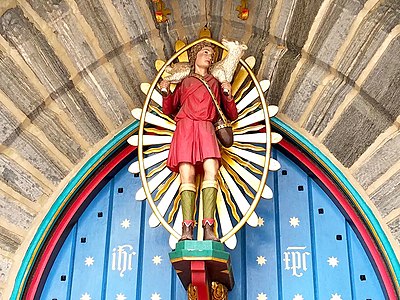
[[340, 179], [88, 169], [51, 217]]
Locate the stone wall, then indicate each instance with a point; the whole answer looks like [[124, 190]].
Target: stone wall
[[71, 72]]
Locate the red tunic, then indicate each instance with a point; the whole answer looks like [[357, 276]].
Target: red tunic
[[194, 139]]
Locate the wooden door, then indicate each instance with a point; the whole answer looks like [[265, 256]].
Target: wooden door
[[304, 248]]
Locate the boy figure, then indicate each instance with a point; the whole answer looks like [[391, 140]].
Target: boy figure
[[194, 147]]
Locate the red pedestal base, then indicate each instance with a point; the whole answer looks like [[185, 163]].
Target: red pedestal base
[[199, 279], [204, 269]]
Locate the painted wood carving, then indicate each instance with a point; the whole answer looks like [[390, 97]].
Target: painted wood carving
[[244, 166]]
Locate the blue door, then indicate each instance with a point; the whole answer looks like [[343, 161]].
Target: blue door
[[303, 248]]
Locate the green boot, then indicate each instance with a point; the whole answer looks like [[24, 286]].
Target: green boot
[[187, 202], [209, 195], [188, 195]]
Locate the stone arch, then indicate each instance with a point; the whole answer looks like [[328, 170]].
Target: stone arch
[[71, 70]]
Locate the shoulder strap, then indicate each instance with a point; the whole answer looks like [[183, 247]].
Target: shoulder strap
[[224, 119]]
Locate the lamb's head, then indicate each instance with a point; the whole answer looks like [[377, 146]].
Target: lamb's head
[[234, 46]]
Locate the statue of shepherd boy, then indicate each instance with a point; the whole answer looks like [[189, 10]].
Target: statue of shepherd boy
[[194, 147]]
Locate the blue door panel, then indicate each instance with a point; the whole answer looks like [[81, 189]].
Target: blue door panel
[[59, 278], [365, 282], [294, 227], [90, 255], [303, 248], [123, 249], [156, 275], [261, 251], [330, 247]]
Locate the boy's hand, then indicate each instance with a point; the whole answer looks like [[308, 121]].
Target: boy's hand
[[164, 86], [227, 88]]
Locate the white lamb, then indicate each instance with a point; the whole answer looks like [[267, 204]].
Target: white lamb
[[222, 70], [178, 72]]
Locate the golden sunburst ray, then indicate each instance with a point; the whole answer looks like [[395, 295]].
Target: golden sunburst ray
[[155, 170], [258, 159], [252, 95], [159, 63], [256, 128], [252, 180], [228, 198], [239, 94], [149, 161], [174, 209], [153, 183], [153, 119], [159, 149], [276, 138], [259, 137], [245, 163], [177, 227], [184, 56], [225, 220], [165, 202], [161, 114], [238, 180], [150, 140], [158, 131], [274, 165], [249, 146], [155, 96], [250, 119], [255, 117], [254, 107], [162, 189], [242, 75], [272, 110], [240, 199]]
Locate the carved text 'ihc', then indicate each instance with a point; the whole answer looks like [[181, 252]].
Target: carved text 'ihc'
[[122, 257]]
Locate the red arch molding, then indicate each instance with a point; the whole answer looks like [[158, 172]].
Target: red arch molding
[[55, 239]]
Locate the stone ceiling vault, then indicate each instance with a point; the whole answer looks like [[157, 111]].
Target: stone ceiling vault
[[70, 73]]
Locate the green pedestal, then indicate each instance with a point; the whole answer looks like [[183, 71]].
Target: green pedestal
[[189, 257]]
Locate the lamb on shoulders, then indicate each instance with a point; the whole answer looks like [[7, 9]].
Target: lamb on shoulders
[[178, 72], [225, 68]]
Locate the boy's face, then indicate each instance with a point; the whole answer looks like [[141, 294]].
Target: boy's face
[[204, 57]]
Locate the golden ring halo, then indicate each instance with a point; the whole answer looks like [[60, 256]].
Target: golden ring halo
[[263, 180]]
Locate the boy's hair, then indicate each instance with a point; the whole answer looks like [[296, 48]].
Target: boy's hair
[[195, 49]]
